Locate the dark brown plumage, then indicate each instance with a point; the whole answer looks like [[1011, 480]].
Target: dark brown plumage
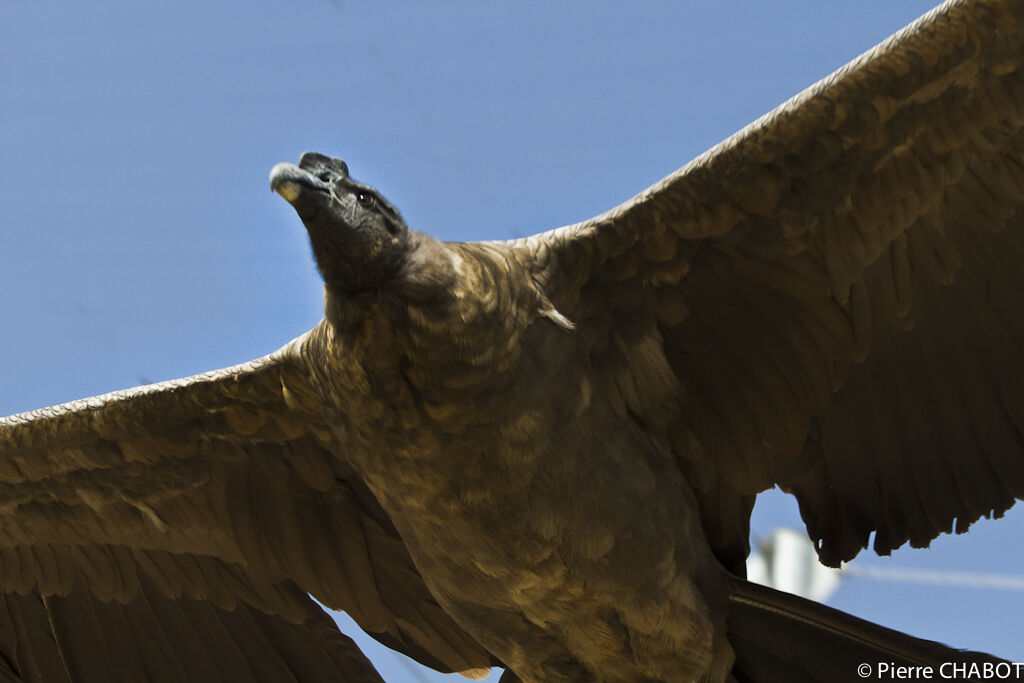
[[542, 453]]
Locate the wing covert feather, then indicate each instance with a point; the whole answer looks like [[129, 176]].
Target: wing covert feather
[[837, 291], [221, 496]]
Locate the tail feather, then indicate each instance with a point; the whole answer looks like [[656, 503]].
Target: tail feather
[[782, 637]]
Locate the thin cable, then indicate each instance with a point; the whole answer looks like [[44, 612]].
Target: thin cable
[[1006, 582]]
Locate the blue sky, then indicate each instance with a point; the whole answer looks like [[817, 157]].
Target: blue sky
[[139, 240]]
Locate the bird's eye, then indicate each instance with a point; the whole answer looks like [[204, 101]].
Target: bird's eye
[[365, 199]]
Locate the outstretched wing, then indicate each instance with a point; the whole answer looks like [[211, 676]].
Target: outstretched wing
[[151, 637], [837, 290], [196, 516]]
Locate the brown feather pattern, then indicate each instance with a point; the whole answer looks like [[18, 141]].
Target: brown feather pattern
[[828, 254], [741, 317], [230, 500]]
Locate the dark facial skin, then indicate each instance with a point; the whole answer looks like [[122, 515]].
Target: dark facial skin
[[359, 240]]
